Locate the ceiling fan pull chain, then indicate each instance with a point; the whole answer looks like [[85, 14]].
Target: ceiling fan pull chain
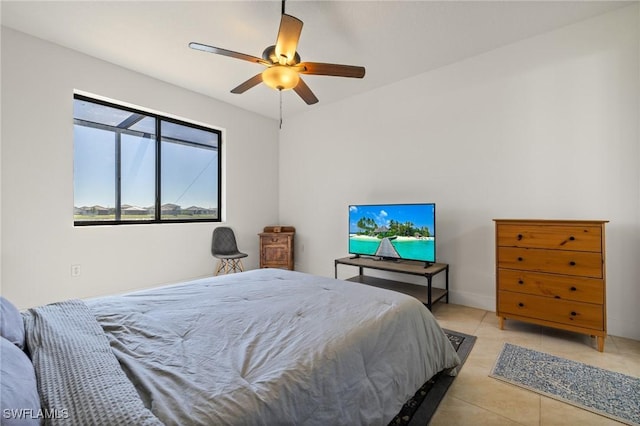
[[281, 104]]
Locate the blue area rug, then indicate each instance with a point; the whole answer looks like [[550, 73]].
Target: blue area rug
[[604, 392]]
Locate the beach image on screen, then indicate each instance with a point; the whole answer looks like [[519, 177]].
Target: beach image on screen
[[403, 231]]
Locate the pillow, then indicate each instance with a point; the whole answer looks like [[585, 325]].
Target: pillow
[[18, 388], [11, 324]]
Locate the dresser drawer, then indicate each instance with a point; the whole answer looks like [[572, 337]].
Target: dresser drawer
[[558, 237], [580, 263], [580, 289], [275, 239], [559, 311]]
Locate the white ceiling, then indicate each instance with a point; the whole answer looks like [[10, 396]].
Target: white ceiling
[[394, 40]]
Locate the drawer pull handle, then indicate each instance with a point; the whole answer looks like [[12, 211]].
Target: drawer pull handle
[[573, 289], [572, 263], [573, 313], [520, 282], [521, 304], [520, 259], [519, 237], [572, 238]]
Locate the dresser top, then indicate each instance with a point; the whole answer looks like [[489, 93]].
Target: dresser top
[[278, 229], [554, 221]]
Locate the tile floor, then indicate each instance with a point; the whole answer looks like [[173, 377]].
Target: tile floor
[[474, 398]]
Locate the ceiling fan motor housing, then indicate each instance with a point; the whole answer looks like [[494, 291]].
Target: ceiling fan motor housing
[[269, 54]]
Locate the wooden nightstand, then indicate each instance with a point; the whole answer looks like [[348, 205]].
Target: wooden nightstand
[[276, 247]]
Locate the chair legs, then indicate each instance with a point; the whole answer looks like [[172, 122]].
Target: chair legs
[[229, 265]]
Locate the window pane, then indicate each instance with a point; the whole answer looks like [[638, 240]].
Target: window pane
[[179, 133], [138, 178], [98, 113], [146, 126], [94, 163], [117, 177], [189, 178]]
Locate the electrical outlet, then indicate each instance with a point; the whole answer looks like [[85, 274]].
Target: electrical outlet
[[75, 270]]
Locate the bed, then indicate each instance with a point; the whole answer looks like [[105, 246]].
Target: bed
[[262, 347]]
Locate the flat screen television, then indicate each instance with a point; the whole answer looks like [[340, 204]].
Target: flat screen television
[[393, 231]]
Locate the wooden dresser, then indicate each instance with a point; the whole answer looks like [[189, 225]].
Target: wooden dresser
[[276, 247], [552, 273]]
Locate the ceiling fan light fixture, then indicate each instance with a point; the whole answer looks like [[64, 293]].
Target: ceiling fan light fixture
[[280, 77]]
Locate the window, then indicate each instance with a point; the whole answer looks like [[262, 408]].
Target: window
[[137, 167]]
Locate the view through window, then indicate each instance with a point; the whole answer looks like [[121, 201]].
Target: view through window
[[133, 167]]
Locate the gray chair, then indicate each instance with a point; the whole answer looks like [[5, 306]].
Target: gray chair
[[224, 248]]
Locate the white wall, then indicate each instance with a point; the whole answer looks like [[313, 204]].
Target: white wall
[[547, 127], [544, 128], [39, 241]]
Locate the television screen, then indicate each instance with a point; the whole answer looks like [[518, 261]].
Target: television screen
[[393, 231]]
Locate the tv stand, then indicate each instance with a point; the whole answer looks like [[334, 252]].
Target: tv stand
[[426, 294]]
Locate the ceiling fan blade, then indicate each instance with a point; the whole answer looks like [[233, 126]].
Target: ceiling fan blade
[[318, 68], [225, 52], [305, 93], [288, 36], [253, 81]]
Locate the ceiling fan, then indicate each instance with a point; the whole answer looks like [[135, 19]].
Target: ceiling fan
[[283, 63]]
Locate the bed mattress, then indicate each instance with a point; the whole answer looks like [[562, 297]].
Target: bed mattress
[[262, 347]]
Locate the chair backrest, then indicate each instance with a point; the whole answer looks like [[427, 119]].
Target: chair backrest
[[223, 241]]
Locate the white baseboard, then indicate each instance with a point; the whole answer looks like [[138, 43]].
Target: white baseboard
[[472, 300], [627, 329]]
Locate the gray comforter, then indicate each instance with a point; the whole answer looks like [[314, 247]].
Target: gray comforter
[[79, 379], [271, 347]]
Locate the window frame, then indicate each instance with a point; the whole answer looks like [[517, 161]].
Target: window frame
[[157, 140]]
